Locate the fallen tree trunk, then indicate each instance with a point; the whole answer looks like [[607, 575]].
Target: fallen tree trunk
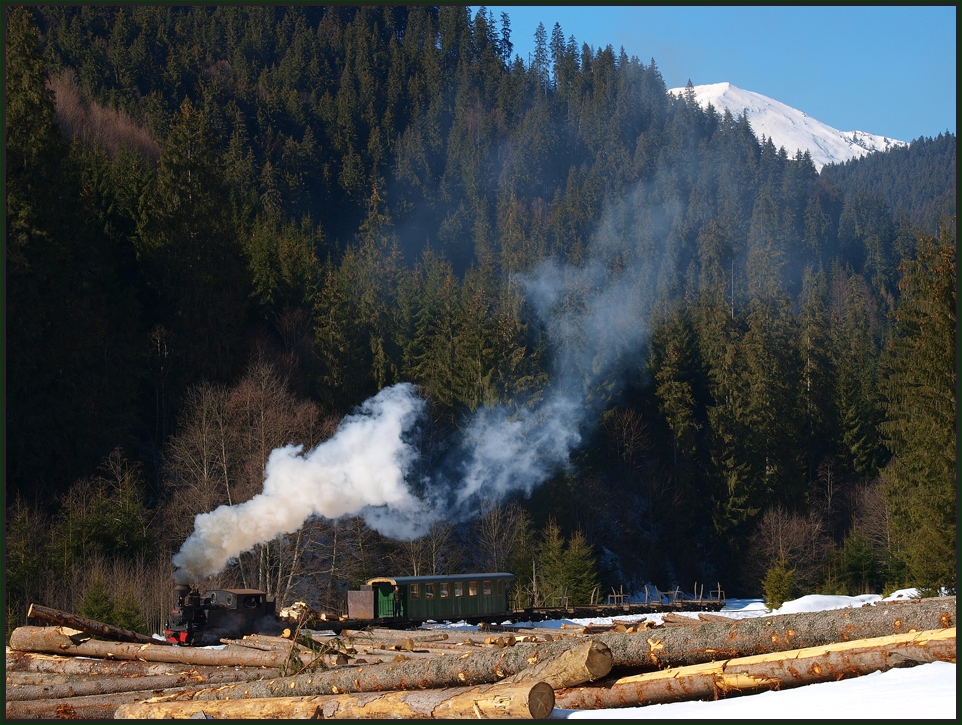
[[474, 667], [59, 640], [261, 646], [93, 707], [42, 678], [674, 647], [527, 700], [779, 670], [90, 626], [96, 686], [36, 662], [708, 641], [106, 685]]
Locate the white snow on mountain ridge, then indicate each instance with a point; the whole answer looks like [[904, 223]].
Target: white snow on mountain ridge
[[789, 127]]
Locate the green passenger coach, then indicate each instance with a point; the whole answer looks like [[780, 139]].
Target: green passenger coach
[[438, 597]]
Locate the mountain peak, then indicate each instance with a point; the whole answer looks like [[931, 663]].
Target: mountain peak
[[789, 127]]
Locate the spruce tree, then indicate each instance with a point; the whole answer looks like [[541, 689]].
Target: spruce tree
[[919, 384]]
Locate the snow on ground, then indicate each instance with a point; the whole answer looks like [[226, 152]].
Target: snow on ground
[[925, 692], [789, 127]]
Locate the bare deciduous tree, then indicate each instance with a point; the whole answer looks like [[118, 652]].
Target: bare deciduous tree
[[873, 517], [629, 433], [800, 541], [219, 455], [197, 461], [497, 529]]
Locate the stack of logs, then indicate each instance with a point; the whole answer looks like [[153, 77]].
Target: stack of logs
[[61, 672]]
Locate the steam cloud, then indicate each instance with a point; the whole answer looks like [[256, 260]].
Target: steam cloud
[[363, 465], [595, 315]]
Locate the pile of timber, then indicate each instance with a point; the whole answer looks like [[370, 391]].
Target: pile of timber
[[61, 672]]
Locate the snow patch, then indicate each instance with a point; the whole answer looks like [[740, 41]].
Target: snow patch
[[789, 127]]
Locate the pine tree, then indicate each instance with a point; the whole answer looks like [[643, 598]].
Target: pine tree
[[71, 333], [676, 368], [191, 254], [919, 384], [581, 570]]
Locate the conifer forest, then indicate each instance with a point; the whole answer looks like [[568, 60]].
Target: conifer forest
[[228, 226]]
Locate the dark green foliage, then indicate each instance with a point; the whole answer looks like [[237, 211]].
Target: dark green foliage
[[918, 180], [97, 604], [353, 194], [919, 386], [103, 605], [105, 516], [859, 564], [72, 321], [565, 569], [779, 585]]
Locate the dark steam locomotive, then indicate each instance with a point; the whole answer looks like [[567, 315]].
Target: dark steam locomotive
[[232, 613]]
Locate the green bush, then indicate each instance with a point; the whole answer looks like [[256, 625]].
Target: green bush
[[118, 609], [97, 603], [779, 584]]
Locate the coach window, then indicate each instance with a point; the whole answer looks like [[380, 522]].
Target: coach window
[[429, 591], [500, 587], [415, 591], [486, 588], [444, 590], [472, 589], [459, 589]]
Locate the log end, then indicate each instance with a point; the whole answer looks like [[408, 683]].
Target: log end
[[599, 660], [540, 701]]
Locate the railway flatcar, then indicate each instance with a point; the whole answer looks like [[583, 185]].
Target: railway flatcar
[[469, 597]]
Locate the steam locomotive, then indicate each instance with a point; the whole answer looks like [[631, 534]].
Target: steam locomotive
[[234, 613], [202, 621]]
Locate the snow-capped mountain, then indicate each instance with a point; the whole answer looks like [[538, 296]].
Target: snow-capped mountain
[[789, 127]]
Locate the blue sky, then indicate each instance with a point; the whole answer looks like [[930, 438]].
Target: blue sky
[[882, 70]]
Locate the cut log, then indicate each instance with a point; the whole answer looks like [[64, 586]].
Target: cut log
[[94, 707], [670, 618], [585, 662], [97, 686], [269, 639], [49, 690], [707, 641], [44, 663], [474, 667], [42, 678], [530, 700], [709, 617], [58, 640], [676, 646], [262, 646], [90, 626], [778, 670]]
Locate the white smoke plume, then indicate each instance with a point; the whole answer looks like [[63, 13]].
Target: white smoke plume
[[594, 314], [363, 465]]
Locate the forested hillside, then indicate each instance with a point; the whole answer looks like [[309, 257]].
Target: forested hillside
[[917, 180], [228, 226]]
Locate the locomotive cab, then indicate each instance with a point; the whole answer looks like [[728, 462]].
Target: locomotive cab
[[221, 613]]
